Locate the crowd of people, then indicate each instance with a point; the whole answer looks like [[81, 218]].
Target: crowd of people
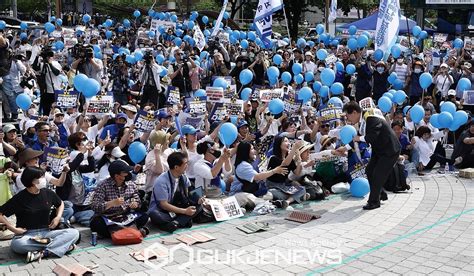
[[280, 156]]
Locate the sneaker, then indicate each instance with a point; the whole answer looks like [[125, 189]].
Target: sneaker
[[458, 161], [306, 197], [441, 171], [33, 256], [71, 248], [72, 220], [282, 204], [144, 231]]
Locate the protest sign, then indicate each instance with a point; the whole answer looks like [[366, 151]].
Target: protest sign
[[468, 97], [156, 23], [56, 159], [234, 106], [225, 209], [218, 113], [99, 105], [173, 95], [197, 106], [214, 94], [330, 114], [292, 105], [267, 95], [231, 91], [357, 170], [145, 121], [367, 103], [65, 99], [440, 37], [196, 122]]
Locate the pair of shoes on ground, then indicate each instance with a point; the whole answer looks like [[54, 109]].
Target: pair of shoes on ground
[[33, 256], [371, 206]]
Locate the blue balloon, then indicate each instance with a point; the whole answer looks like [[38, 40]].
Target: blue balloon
[[392, 78], [352, 43], [228, 134], [399, 97], [286, 77], [464, 84], [49, 27], [277, 59], [388, 95], [305, 94], [324, 91], [120, 29], [445, 119], [23, 36], [178, 41], [359, 187], [91, 88], [385, 104], [352, 30], [191, 25], [245, 94], [322, 54], [334, 42], [3, 25], [396, 51], [86, 18], [276, 106], [194, 15], [244, 43], [23, 101], [96, 48], [137, 13], [203, 55], [273, 72], [137, 152], [311, 44], [323, 38], [416, 31], [151, 34], [350, 69], [339, 66], [200, 93], [327, 76], [298, 78], [337, 88], [108, 34], [347, 133], [80, 82], [317, 86], [130, 59], [251, 36], [221, 82], [423, 35], [245, 76], [205, 19], [301, 42], [160, 59], [417, 112], [378, 55], [59, 45], [173, 18], [405, 109], [296, 68], [362, 41], [138, 55], [126, 23], [458, 43], [460, 118], [23, 26], [242, 35], [164, 72], [426, 80], [151, 13], [109, 23], [319, 29], [335, 101], [398, 84], [434, 121], [308, 76], [449, 107]]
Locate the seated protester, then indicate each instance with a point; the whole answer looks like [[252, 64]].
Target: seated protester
[[84, 125], [115, 199], [32, 208], [111, 153], [44, 137], [60, 128], [332, 168], [170, 206], [190, 133], [464, 151], [398, 128], [427, 152], [80, 182], [131, 111], [113, 129], [10, 141], [209, 169], [126, 137], [155, 161]]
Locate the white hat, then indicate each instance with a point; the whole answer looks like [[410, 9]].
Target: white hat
[[451, 92], [308, 53], [30, 124], [130, 108], [117, 152], [443, 65]]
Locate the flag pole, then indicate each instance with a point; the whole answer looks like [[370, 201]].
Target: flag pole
[[286, 22]]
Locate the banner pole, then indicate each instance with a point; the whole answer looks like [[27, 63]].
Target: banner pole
[[286, 22]]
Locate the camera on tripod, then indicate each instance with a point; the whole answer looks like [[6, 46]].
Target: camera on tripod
[[148, 57], [46, 53], [83, 51]]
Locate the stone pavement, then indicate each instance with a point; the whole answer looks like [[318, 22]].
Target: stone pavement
[[428, 230]]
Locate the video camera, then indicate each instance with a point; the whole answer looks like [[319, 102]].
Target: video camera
[[46, 53], [83, 51], [148, 57], [213, 45]]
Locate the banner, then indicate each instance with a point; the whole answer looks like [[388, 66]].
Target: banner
[[219, 19], [56, 159], [199, 38], [65, 99], [218, 113], [214, 94], [387, 25], [357, 170], [267, 95], [145, 121], [173, 95], [332, 11], [156, 23], [234, 106], [292, 105], [225, 209], [197, 106], [468, 96], [100, 105], [330, 114], [267, 8]]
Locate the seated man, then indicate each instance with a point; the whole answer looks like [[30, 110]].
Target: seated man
[[170, 206], [116, 201]]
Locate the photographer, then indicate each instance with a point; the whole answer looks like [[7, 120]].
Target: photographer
[[88, 65], [221, 65], [179, 73], [11, 71], [119, 76], [47, 78], [150, 83]]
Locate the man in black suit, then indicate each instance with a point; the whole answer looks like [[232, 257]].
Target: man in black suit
[[375, 130]]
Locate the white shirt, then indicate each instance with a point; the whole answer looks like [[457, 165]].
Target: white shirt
[[443, 83], [309, 66], [204, 174]]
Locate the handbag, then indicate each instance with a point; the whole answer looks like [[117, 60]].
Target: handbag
[[126, 236]]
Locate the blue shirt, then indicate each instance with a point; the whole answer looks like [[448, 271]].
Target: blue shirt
[[164, 188], [62, 136], [37, 145], [244, 171]]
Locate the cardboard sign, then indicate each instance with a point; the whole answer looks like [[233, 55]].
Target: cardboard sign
[[266, 95], [197, 106], [195, 237], [214, 94], [358, 170], [218, 113], [56, 159], [65, 99], [145, 121], [292, 105], [231, 92], [100, 105], [234, 106], [196, 122], [156, 23], [330, 114], [173, 95], [468, 97], [367, 103], [225, 209]]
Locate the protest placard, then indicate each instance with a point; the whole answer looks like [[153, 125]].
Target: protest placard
[[65, 99], [468, 96], [230, 92], [357, 170], [196, 122], [225, 209], [292, 105], [440, 37], [267, 95], [218, 113], [214, 94], [173, 95], [197, 106], [56, 159], [367, 103], [234, 106], [330, 114], [145, 121], [99, 105], [156, 23]]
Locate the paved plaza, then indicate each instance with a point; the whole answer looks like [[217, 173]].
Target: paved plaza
[[428, 230]]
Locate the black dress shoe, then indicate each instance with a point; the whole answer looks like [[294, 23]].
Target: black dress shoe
[[383, 196], [171, 226], [371, 206]]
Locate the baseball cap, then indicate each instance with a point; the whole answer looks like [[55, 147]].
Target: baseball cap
[[242, 123], [8, 127], [118, 167], [444, 65], [130, 108], [188, 129], [121, 116], [117, 152], [163, 114], [451, 92]]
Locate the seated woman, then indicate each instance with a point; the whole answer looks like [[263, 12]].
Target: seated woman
[[32, 208], [427, 152], [463, 154]]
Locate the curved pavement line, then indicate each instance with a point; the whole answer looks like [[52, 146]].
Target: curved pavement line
[[382, 245], [152, 237]]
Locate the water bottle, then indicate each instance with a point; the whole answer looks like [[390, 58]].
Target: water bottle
[[446, 168]]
